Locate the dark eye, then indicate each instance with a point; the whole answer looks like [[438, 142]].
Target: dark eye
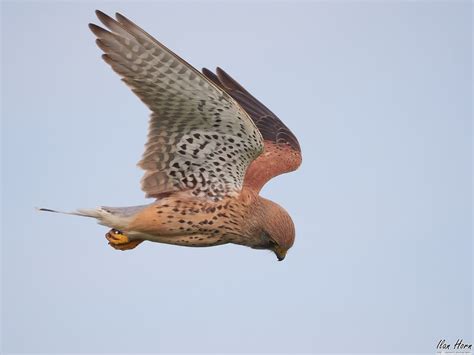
[[267, 242], [116, 231], [271, 243]]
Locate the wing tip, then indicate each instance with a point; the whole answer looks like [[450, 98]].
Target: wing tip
[[99, 13], [122, 19], [103, 17], [97, 30], [228, 82], [109, 60]]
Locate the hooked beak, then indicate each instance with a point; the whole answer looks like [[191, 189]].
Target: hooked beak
[[280, 253]]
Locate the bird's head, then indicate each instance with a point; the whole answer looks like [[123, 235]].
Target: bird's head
[[276, 231]]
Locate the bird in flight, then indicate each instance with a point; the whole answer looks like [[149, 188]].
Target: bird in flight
[[211, 148]]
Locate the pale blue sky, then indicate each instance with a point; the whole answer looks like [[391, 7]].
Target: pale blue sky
[[379, 95]]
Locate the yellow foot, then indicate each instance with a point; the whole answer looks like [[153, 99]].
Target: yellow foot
[[120, 241]]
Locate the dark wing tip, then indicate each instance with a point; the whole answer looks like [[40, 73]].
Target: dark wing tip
[[229, 82], [107, 58], [212, 77], [101, 44], [219, 70], [271, 127], [121, 18], [222, 75], [97, 30], [103, 17], [209, 74]]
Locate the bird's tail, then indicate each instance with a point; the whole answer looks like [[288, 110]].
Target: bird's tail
[[113, 217], [102, 215], [93, 213]]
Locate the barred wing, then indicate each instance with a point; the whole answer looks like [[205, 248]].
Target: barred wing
[[282, 152], [199, 138]]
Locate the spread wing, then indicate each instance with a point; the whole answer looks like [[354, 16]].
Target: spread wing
[[282, 152], [199, 139]]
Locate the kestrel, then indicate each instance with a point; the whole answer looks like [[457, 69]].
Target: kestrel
[[211, 148]]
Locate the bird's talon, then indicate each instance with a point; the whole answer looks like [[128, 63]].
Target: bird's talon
[[116, 237], [120, 241]]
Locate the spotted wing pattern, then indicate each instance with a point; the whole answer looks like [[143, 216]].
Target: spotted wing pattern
[[282, 152], [200, 140]]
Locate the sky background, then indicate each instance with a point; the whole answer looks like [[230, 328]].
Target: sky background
[[379, 95]]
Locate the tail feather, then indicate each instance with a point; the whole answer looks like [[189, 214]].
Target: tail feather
[[81, 212], [114, 217], [102, 216]]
